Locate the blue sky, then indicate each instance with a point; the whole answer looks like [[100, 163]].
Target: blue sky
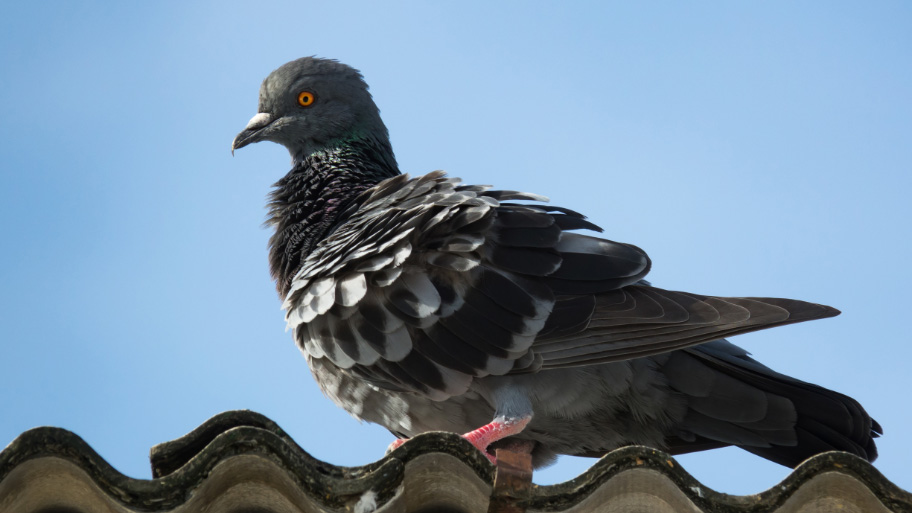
[[756, 149]]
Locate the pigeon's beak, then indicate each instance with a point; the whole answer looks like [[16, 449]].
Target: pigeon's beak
[[253, 132]]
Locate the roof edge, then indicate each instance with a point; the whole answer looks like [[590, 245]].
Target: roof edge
[[182, 465]]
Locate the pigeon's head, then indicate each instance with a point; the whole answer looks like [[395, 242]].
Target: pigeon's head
[[310, 104]]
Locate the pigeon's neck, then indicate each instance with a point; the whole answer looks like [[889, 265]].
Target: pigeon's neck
[[319, 193]]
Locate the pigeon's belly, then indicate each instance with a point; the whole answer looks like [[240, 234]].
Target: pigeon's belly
[[599, 408], [576, 410]]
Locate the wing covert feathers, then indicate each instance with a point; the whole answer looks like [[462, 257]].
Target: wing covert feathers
[[431, 283]]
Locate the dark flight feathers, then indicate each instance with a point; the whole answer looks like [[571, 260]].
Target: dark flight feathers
[[431, 283]]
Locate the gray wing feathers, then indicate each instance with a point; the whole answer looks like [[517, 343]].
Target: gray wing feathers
[[351, 289], [430, 284], [364, 298], [640, 321]]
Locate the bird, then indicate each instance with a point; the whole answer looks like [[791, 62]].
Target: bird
[[426, 304]]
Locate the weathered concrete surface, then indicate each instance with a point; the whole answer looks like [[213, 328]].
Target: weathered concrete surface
[[243, 462]]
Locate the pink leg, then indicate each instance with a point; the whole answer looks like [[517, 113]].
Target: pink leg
[[484, 436], [499, 428], [395, 445]]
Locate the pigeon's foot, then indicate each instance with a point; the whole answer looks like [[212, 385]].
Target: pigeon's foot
[[395, 445], [486, 435], [501, 427]]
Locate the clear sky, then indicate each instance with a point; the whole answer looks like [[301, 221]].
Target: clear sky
[[751, 148]]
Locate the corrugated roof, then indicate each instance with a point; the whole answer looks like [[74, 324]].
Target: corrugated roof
[[243, 462]]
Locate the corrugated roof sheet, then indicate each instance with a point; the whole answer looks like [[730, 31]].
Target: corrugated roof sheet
[[243, 462]]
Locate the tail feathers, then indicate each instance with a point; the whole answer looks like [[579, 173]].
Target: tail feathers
[[734, 400], [815, 438]]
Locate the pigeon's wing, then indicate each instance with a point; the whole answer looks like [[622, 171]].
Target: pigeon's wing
[[641, 320], [430, 284]]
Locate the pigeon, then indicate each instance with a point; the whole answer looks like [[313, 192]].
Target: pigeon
[[425, 304]]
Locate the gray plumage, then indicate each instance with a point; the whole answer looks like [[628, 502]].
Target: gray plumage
[[425, 304]]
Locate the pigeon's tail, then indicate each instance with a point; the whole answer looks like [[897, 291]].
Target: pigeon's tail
[[734, 400]]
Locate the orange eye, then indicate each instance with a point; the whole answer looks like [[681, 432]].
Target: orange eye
[[306, 98]]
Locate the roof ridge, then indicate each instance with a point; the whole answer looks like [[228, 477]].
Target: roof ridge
[[183, 465]]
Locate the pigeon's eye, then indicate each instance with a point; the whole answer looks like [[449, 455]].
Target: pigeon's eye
[[306, 98]]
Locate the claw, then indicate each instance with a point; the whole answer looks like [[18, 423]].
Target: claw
[[484, 436], [396, 444], [499, 428]]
